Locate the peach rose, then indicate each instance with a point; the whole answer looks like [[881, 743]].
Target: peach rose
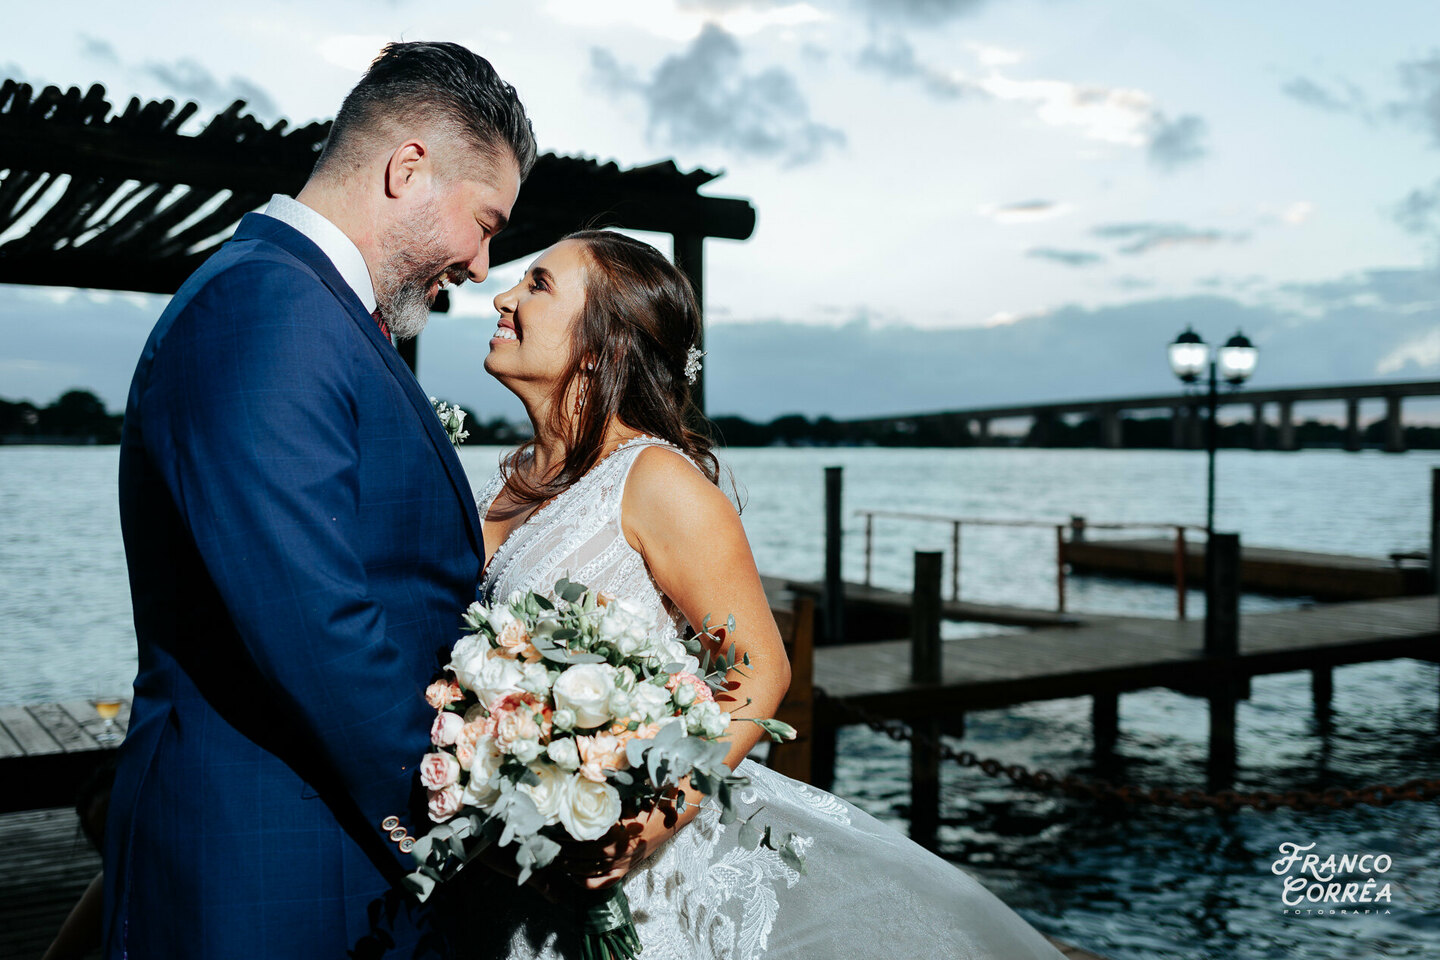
[[439, 770], [599, 753], [471, 734], [701, 688], [442, 693], [513, 642], [444, 803], [446, 728]]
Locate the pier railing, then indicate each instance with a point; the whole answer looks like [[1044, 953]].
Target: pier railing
[[1078, 527]]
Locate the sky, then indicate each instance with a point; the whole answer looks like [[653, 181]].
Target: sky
[[960, 202]]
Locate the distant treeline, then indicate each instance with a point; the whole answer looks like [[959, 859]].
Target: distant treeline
[[1147, 433], [78, 416]]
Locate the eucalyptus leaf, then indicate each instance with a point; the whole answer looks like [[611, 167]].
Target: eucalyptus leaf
[[749, 835], [419, 885], [791, 859]]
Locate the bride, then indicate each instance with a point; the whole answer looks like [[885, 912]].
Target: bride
[[617, 492]]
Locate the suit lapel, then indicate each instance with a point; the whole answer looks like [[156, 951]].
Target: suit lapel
[[260, 227]]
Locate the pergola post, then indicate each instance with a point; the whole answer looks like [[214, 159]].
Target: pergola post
[[690, 258]]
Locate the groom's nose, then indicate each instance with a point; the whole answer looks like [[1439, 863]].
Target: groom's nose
[[479, 267]]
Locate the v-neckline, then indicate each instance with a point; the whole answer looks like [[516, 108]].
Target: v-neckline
[[491, 560]]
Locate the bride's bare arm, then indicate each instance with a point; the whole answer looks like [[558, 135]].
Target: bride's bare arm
[[696, 549]]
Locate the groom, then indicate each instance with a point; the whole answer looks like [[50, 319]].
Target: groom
[[302, 539]]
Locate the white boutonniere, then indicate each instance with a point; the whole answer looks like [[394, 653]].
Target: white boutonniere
[[452, 418]]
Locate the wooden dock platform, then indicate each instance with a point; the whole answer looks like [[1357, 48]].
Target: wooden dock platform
[[1324, 576], [1110, 655], [876, 611], [46, 749]]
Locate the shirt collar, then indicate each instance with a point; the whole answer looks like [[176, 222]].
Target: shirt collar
[[349, 262]]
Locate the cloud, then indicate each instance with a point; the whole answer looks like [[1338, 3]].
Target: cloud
[[894, 57], [190, 79], [1070, 258], [1421, 353], [685, 20], [1422, 107], [1121, 115], [1026, 211], [1174, 143], [1146, 237], [95, 48], [702, 97], [1311, 94], [1419, 211], [921, 12]]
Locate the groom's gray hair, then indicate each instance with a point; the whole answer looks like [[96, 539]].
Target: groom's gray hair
[[442, 88]]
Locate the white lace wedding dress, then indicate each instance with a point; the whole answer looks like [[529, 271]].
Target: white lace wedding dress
[[869, 892]]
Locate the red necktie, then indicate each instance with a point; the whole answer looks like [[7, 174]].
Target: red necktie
[[384, 328]]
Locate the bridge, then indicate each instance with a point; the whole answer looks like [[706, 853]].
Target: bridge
[[1186, 414]]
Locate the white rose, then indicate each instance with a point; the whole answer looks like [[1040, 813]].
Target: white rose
[[625, 627], [564, 719], [684, 695], [652, 701], [565, 753], [706, 719], [466, 657], [585, 688], [479, 792], [551, 794], [535, 678], [590, 808], [495, 677], [619, 704], [673, 651], [526, 750]]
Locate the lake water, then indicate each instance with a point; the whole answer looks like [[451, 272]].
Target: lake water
[[1151, 885]]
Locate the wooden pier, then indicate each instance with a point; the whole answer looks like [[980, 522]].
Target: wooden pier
[[1324, 576], [47, 749]]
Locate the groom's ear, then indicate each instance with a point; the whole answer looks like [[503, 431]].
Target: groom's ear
[[409, 164]]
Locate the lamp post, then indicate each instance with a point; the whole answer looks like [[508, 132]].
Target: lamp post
[[1234, 363]]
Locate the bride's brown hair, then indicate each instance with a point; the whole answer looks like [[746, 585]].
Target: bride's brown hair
[[628, 354]]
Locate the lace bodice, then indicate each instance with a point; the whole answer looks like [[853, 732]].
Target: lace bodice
[[578, 535]]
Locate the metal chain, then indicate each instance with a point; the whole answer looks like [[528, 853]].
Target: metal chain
[[1336, 798]]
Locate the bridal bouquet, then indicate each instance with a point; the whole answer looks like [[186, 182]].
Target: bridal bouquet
[[558, 718]]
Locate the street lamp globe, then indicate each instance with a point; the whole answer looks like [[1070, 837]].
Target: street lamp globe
[[1188, 356], [1237, 359]]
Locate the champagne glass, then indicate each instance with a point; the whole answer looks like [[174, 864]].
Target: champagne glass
[[108, 708]]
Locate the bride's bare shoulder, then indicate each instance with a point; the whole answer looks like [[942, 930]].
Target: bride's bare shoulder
[[665, 489]]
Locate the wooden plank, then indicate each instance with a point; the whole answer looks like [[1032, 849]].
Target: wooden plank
[[32, 737], [60, 725], [8, 746], [83, 711]]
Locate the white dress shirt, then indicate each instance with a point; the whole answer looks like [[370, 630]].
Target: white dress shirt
[[331, 240]]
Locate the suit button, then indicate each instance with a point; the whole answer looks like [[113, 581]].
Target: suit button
[[389, 823], [398, 834], [407, 844]]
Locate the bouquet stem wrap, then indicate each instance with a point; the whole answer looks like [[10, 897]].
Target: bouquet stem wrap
[[607, 930]]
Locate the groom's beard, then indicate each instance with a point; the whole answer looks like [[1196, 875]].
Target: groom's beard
[[402, 290]]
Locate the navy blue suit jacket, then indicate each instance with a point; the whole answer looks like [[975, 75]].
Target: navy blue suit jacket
[[301, 541]]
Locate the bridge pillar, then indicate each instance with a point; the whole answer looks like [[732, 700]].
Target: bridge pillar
[[1394, 426], [1287, 426], [1257, 426], [1177, 427], [1042, 429], [1353, 439], [982, 430], [1112, 429]]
